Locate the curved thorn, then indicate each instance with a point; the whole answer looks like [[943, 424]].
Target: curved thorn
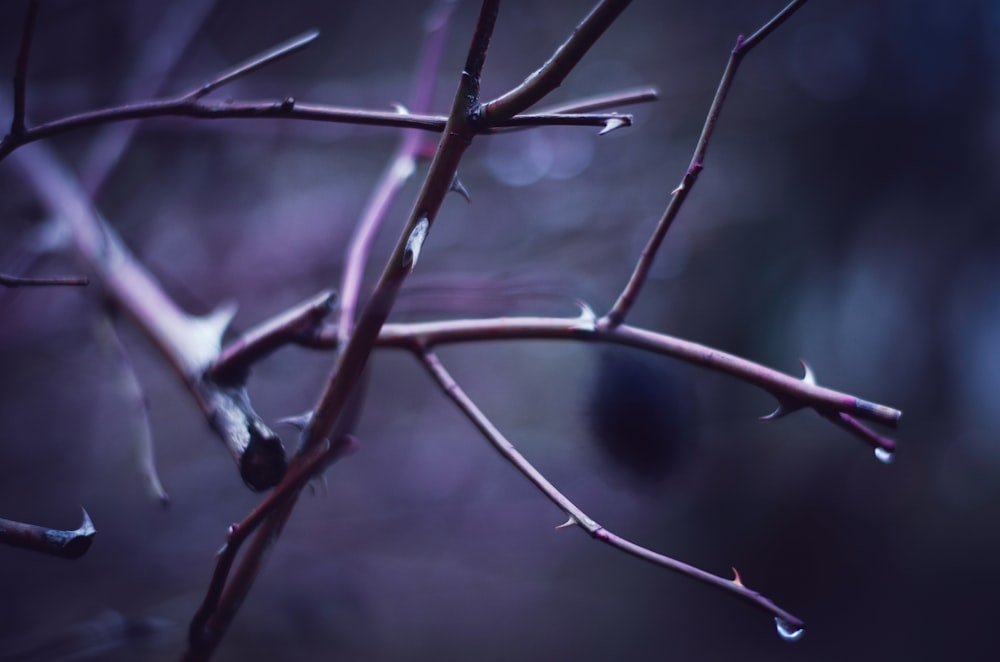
[[299, 422], [611, 124], [458, 187], [809, 377]]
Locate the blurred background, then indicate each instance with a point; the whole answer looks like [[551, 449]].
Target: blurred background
[[847, 215]]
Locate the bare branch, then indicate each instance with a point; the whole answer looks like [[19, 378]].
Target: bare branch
[[56, 542], [59, 281], [281, 51], [551, 74], [21, 69], [631, 292], [603, 101], [577, 516]]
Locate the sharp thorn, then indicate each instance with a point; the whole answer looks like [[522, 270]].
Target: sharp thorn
[[458, 187], [568, 523], [400, 108], [611, 124], [809, 377], [736, 577]]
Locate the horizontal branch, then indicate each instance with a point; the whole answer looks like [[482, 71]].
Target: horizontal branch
[[56, 281], [782, 386], [55, 542]]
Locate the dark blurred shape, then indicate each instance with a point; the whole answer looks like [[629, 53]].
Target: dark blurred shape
[[643, 413]]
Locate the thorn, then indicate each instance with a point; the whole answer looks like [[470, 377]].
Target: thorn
[[677, 190], [400, 108], [784, 409], [613, 123], [736, 578], [415, 242], [457, 187], [298, 422], [568, 523], [87, 527], [809, 377], [588, 318]]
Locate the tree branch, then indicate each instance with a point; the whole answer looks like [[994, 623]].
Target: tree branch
[[577, 516], [55, 542], [58, 281], [551, 74], [628, 296]]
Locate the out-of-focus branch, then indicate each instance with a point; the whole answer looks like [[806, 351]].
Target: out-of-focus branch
[[57, 281], [56, 542], [190, 344], [397, 173], [17, 126], [743, 46], [577, 516]]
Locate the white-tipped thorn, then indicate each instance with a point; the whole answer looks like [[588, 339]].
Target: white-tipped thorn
[[298, 422], [458, 187], [588, 318], [87, 526], [568, 523], [415, 242], [611, 124], [782, 410], [677, 190], [809, 377], [400, 109]]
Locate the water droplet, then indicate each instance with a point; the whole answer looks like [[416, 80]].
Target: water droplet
[[884, 455], [787, 631]]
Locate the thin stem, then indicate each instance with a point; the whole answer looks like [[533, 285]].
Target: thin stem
[[605, 101], [270, 56], [551, 74], [627, 298], [577, 516], [21, 69], [55, 542], [58, 281], [784, 387]]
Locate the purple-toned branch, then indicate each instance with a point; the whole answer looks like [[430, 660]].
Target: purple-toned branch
[[56, 542], [577, 516], [551, 74], [627, 298], [17, 126], [58, 281]]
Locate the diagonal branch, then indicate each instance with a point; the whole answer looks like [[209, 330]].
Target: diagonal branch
[[21, 69], [551, 74], [577, 516], [628, 296], [189, 344]]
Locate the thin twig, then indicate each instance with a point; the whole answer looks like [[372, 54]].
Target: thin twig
[[57, 281], [551, 74], [628, 296], [21, 69], [270, 56], [605, 101], [55, 542], [577, 516], [136, 397]]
